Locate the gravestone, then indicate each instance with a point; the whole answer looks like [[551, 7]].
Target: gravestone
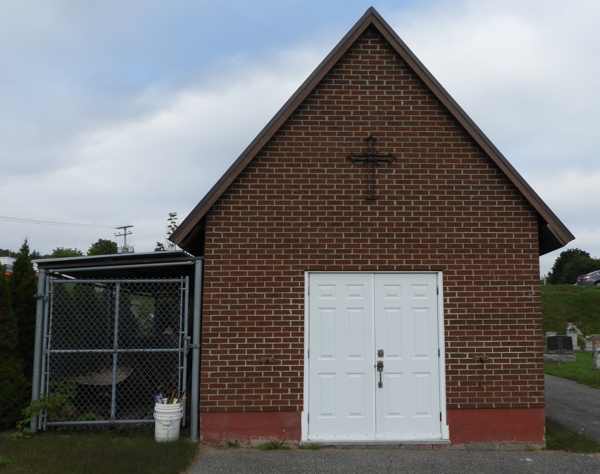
[[596, 349], [560, 349], [573, 335], [595, 341], [548, 334], [560, 345]]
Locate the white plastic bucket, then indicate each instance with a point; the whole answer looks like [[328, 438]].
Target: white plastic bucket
[[168, 419]]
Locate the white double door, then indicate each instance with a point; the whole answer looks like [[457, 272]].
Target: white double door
[[357, 321]]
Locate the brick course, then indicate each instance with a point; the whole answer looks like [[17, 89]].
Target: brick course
[[300, 205]]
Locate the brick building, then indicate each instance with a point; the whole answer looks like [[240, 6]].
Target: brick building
[[372, 267]]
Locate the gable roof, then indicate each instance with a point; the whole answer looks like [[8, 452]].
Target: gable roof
[[553, 234]]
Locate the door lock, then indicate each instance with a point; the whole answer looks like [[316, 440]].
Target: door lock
[[380, 353], [380, 370]]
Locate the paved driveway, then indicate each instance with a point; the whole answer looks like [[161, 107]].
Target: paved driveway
[[574, 405], [384, 461]]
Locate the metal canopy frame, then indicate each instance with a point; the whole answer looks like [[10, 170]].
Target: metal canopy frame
[[123, 267]]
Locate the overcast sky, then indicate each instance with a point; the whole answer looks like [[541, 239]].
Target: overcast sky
[[119, 112]]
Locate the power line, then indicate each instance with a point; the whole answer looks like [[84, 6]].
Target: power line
[[59, 224]]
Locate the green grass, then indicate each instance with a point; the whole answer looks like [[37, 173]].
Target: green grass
[[580, 305], [130, 452], [564, 304], [273, 446], [580, 371], [312, 446], [560, 438]]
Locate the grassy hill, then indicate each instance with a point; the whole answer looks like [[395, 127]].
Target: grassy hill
[[564, 304]]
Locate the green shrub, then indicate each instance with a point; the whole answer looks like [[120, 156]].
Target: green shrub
[[14, 391], [14, 387], [56, 405]]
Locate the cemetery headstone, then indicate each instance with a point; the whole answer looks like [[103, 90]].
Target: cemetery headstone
[[560, 345], [595, 341], [560, 349], [548, 334], [596, 349], [572, 333]]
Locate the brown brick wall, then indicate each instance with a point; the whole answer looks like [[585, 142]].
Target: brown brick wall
[[300, 206]]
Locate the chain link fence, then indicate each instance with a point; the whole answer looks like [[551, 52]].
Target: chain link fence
[[110, 345]]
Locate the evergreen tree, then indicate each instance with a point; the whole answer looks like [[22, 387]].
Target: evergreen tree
[[8, 323], [14, 388], [23, 287]]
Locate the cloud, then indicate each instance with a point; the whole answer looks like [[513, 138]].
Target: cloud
[[122, 114], [137, 169], [525, 73], [572, 196], [522, 70]]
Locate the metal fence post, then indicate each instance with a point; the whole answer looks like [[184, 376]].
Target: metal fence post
[[184, 336], [45, 328], [37, 351], [195, 406], [113, 402]]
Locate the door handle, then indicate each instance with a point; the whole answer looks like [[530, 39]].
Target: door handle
[[380, 370]]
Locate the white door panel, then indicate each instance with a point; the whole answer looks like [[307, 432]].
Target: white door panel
[[352, 316], [341, 357], [406, 331]]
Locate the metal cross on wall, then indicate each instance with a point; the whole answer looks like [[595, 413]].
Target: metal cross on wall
[[372, 158]]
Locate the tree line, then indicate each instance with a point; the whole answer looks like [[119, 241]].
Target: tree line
[[101, 247], [570, 264]]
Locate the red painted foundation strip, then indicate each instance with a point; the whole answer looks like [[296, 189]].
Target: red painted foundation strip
[[250, 427], [507, 425]]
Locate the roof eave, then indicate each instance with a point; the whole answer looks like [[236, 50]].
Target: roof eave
[[557, 227], [188, 224], [371, 17]]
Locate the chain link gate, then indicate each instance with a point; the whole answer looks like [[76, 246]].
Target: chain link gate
[[110, 345]]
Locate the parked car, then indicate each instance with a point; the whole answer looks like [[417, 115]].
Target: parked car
[[592, 278]]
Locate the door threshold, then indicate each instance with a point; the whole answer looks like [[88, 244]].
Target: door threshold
[[365, 442]]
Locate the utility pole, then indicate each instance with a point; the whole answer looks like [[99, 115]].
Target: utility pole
[[125, 233]]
